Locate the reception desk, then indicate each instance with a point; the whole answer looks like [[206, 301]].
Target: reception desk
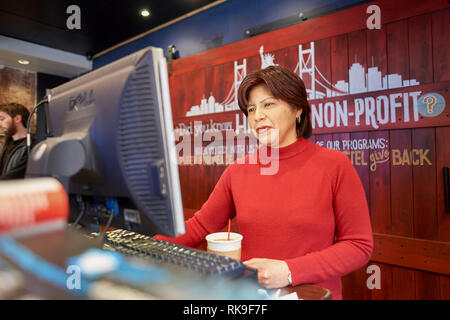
[[56, 247]]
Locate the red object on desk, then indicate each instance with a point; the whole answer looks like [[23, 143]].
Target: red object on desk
[[32, 205]]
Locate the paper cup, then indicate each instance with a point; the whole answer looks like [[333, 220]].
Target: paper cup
[[218, 243]]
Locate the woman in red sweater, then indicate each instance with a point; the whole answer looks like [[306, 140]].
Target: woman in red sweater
[[305, 222]]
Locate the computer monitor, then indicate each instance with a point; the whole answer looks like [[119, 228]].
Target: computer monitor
[[111, 144]]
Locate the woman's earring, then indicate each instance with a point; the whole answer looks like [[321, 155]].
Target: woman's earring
[[299, 119]]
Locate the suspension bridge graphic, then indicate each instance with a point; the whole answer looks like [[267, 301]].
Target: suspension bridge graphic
[[319, 87]]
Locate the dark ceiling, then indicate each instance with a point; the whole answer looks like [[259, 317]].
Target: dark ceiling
[[103, 23]]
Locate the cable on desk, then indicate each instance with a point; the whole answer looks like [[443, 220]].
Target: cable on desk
[[82, 211], [108, 224], [32, 263], [45, 100]]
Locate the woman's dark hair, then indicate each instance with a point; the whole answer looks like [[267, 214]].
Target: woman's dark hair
[[285, 85], [13, 109]]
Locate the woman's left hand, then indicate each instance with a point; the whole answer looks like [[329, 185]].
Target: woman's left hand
[[271, 273]]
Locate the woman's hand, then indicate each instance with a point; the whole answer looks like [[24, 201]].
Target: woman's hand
[[271, 273]]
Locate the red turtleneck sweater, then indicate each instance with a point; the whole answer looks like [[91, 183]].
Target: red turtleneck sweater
[[312, 213]]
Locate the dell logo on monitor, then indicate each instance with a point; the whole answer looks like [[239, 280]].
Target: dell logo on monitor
[[83, 99]]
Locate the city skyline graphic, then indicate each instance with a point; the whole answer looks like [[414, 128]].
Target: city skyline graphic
[[359, 81]]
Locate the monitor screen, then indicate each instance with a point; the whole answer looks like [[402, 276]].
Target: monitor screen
[[111, 144]]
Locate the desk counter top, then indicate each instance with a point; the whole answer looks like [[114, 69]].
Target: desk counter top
[[56, 246]]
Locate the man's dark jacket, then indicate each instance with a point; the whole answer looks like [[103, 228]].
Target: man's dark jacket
[[16, 164]]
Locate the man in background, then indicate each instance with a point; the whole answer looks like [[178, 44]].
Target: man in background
[[13, 154]]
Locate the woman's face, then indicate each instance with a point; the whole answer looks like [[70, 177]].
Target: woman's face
[[272, 120]]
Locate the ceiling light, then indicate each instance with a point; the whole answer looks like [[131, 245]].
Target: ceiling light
[[23, 61], [145, 12]]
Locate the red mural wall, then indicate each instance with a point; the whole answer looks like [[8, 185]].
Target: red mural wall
[[377, 95]]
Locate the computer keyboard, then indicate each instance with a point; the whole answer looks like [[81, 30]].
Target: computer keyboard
[[163, 252]]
